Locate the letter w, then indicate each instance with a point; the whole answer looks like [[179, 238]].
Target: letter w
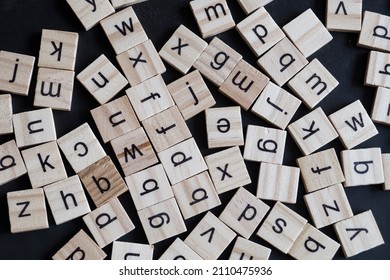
[[356, 122], [125, 27]]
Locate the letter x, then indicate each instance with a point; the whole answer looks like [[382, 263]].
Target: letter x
[[179, 46], [138, 59], [224, 172]]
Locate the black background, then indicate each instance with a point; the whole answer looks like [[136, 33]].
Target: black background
[[21, 23]]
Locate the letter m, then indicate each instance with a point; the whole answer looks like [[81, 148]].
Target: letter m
[[214, 9], [125, 27]]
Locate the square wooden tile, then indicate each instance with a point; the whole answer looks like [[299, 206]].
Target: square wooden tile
[[80, 247], [102, 79], [312, 244], [358, 234], [44, 164], [162, 221], [228, 170], [213, 16], [353, 124], [210, 237], [244, 213], [67, 200], [191, 94], [108, 222], [131, 251], [134, 151], [102, 181], [374, 30], [34, 127], [11, 162], [313, 83], [251, 5], [245, 249], [178, 250], [217, 61], [244, 84], [90, 13], [150, 97], [260, 31], [381, 110], [281, 227], [224, 127], [312, 131], [27, 210], [344, 16], [378, 74], [182, 49], [58, 49], [282, 62], [263, 144], [386, 171], [328, 206], [307, 33], [149, 186], [81, 147], [6, 112], [15, 72], [140, 63], [196, 195], [362, 167], [276, 105], [54, 89]]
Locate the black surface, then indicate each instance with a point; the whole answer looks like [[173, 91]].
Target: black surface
[[21, 23]]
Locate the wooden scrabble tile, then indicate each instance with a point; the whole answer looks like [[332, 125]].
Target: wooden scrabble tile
[[58, 49], [228, 170], [191, 94], [90, 13], [251, 5], [108, 222], [278, 182], [44, 164], [260, 31], [213, 16], [178, 250], [282, 62], [118, 4], [196, 195], [124, 30], [217, 61], [276, 105], [34, 127], [140, 63], [328, 206], [67, 200], [386, 171], [131, 251], [362, 167], [102, 79], [134, 151], [182, 161], [210, 237], [81, 147], [281, 227], [358, 234], [115, 118], [307, 33], [102, 181], [344, 16], [374, 31], [320, 170], [80, 247], [312, 131], [149, 186], [263, 144], [11, 162], [381, 110], [313, 83], [166, 129], [244, 213], [27, 210], [224, 127], [353, 124], [245, 249], [6, 112], [162, 221], [54, 89], [377, 74], [150, 97], [15, 72], [312, 244], [244, 84], [183, 49]]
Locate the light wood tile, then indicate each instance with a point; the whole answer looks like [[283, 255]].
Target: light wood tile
[[178, 250], [118, 4], [344, 16], [374, 31], [381, 110], [11, 162], [386, 171], [245, 249], [6, 112], [378, 71], [131, 251], [251, 5]]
